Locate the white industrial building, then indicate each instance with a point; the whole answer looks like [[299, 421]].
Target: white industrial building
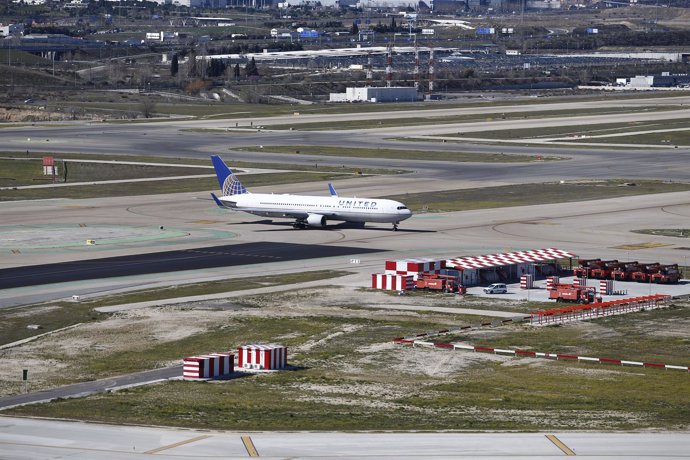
[[376, 94]]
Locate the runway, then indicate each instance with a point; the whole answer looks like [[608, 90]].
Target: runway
[[41, 439]]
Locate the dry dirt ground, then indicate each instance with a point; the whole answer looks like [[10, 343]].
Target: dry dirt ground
[[61, 357], [53, 358]]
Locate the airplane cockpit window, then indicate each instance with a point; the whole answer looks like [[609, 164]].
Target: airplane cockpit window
[[402, 207]]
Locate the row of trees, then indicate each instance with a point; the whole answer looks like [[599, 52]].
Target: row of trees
[[214, 68]]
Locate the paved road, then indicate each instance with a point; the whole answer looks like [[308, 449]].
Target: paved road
[[40, 439], [79, 390]]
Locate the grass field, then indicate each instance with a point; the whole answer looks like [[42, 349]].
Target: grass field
[[399, 154], [348, 376], [587, 130], [527, 194]]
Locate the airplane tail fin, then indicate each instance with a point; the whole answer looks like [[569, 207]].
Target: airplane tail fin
[[229, 183]]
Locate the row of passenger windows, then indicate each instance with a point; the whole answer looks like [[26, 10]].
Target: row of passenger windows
[[318, 205]]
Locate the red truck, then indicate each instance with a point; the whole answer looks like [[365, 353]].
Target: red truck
[[604, 270], [572, 293], [667, 274], [444, 283], [645, 273], [586, 267], [624, 271]]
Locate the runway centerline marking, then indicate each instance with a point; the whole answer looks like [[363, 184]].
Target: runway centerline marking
[[249, 445], [566, 450], [177, 444]]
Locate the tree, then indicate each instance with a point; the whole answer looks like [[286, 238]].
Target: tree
[[174, 65], [251, 70], [147, 107], [354, 30], [394, 26], [236, 72]]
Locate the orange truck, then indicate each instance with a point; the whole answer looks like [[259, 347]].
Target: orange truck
[[443, 283], [624, 271], [586, 267], [572, 293]]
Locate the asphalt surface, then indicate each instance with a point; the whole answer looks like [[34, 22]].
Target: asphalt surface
[[231, 255], [79, 390], [22, 439]]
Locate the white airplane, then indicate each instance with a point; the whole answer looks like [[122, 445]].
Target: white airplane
[[309, 211]]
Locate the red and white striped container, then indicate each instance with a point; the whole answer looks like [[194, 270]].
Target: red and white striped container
[[207, 367], [262, 357], [414, 267], [551, 282], [605, 287], [526, 281], [579, 282], [392, 282]]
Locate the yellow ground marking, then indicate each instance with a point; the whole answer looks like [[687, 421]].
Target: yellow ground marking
[[206, 222], [634, 247], [249, 445], [177, 444], [566, 450]]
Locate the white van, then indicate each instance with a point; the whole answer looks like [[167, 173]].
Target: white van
[[496, 288]]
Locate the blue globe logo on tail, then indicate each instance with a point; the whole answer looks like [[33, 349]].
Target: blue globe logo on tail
[[229, 183], [232, 186]]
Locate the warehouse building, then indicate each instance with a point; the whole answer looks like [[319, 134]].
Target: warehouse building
[[376, 94], [474, 270]]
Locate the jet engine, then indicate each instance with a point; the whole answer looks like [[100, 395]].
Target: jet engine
[[316, 220]]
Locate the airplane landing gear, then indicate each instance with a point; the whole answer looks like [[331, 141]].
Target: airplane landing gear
[[299, 225], [395, 227]]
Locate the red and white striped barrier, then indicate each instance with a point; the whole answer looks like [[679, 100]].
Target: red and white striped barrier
[[551, 282], [526, 281], [392, 282], [262, 357], [207, 367], [579, 282], [605, 287], [535, 354]]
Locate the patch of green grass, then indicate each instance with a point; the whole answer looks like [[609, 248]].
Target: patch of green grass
[[580, 130], [449, 119], [164, 186], [18, 172], [398, 154], [669, 138], [528, 194]]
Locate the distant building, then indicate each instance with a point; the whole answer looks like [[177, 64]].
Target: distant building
[[376, 94], [665, 80], [11, 29]]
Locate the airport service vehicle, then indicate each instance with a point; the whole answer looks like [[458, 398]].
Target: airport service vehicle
[[624, 271], [667, 274], [603, 271], [308, 211], [496, 288], [434, 282], [586, 267], [572, 293], [644, 274]]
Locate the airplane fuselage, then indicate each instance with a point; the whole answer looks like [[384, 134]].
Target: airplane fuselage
[[303, 207]]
